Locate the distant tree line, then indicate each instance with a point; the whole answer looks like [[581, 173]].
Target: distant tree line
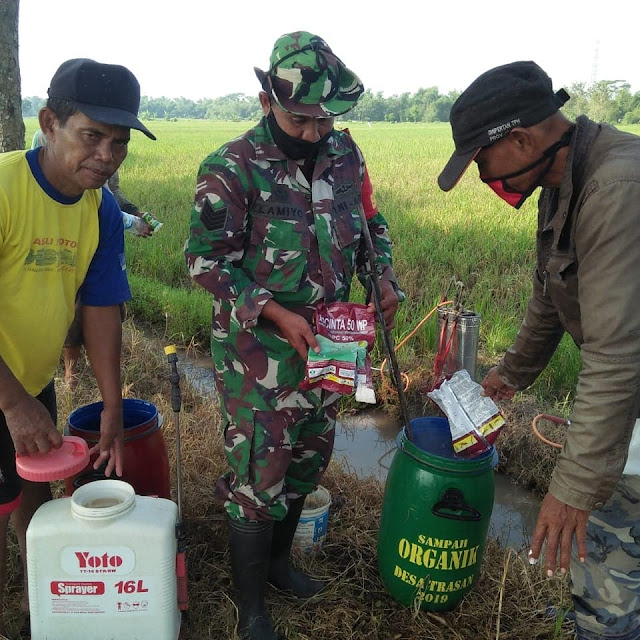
[[604, 101]]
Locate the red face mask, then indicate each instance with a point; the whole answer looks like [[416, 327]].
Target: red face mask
[[504, 192], [514, 197]]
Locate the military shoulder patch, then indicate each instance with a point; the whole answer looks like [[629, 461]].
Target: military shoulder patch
[[213, 219]]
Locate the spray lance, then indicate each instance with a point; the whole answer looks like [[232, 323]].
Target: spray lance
[[371, 272], [181, 556]]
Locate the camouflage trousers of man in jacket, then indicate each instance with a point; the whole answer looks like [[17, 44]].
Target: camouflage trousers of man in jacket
[[606, 588], [278, 438]]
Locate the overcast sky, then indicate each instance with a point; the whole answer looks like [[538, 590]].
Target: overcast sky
[[208, 48]]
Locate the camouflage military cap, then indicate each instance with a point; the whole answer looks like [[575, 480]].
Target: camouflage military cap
[[305, 77]]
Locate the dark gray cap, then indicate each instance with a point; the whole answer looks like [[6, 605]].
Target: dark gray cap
[[519, 94]]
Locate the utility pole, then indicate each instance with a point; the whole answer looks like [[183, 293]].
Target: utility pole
[[594, 68]]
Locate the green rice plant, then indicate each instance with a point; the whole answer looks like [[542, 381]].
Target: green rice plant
[[561, 616], [183, 314]]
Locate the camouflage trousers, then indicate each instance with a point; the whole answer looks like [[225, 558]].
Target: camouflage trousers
[[278, 438], [606, 588]]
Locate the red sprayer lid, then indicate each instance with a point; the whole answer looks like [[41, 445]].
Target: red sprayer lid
[[57, 464]]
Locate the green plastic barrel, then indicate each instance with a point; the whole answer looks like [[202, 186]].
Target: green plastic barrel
[[435, 518]]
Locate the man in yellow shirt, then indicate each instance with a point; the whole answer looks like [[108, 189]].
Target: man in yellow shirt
[[61, 237]]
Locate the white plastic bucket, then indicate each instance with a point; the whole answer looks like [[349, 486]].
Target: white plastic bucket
[[312, 527]]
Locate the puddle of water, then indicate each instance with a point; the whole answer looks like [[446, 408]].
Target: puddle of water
[[366, 444], [199, 374], [515, 511]]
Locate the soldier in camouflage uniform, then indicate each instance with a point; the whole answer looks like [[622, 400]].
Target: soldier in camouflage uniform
[[587, 283], [275, 230]]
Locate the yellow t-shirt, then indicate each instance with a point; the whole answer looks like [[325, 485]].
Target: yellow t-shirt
[[47, 243]]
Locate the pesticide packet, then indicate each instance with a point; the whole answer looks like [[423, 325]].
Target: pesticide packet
[[154, 223], [334, 368], [343, 323], [346, 322], [474, 420]]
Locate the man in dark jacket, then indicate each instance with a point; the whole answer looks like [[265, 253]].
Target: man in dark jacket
[[587, 283]]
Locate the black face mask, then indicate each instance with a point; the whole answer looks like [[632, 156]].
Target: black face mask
[[294, 147], [514, 197]]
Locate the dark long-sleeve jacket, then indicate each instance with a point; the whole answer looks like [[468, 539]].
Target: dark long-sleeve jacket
[[587, 283]]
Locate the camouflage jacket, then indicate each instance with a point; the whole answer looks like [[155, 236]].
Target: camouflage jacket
[[260, 231]]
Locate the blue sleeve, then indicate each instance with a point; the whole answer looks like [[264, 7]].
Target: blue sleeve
[[106, 280]]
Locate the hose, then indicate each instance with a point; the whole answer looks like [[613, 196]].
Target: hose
[[405, 378], [545, 416]]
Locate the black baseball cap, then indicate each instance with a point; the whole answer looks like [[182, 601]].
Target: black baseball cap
[[107, 93], [519, 94]]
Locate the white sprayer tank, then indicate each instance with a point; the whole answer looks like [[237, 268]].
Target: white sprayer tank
[[102, 565]]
